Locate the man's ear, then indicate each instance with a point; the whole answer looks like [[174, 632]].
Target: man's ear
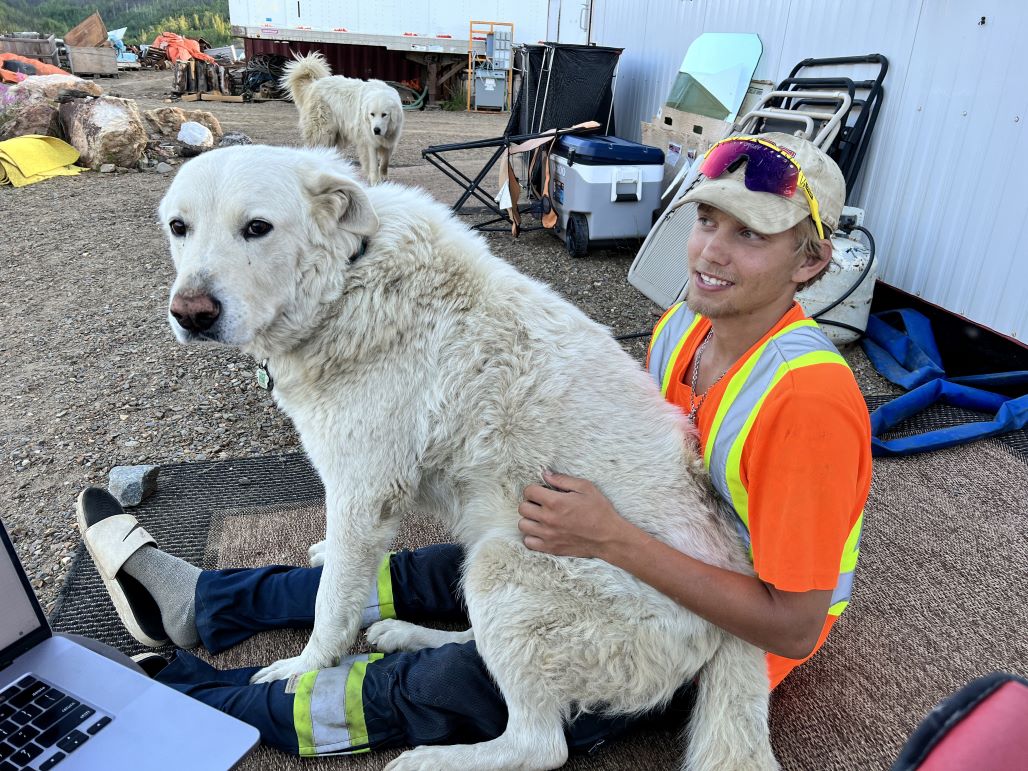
[[338, 201], [813, 265]]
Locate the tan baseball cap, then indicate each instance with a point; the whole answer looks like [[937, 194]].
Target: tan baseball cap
[[768, 213]]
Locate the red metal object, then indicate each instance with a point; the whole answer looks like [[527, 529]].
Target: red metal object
[[352, 61]]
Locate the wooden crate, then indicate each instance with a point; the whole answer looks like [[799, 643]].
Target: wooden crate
[[93, 61], [89, 34], [43, 49]]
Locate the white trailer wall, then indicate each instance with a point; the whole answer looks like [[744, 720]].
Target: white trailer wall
[[429, 18], [943, 184]]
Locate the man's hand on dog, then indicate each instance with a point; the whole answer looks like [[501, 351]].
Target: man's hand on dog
[[569, 518]]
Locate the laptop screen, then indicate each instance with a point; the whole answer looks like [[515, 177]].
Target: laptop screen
[[19, 610]]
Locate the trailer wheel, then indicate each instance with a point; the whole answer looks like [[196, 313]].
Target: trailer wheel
[[576, 238]]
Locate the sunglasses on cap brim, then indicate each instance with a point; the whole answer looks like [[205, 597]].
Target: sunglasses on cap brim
[[768, 170]]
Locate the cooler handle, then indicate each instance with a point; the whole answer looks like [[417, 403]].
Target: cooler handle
[[631, 174]]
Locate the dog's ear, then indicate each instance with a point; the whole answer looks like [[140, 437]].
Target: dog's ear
[[338, 201]]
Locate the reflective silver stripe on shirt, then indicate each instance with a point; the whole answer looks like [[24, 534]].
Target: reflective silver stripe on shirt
[[667, 339], [777, 352]]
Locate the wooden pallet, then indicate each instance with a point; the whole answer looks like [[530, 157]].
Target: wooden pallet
[[212, 96]]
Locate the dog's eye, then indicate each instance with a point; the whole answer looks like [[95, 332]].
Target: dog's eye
[[178, 227], [256, 229]]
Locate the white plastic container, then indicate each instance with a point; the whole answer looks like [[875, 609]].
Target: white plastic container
[[849, 258]]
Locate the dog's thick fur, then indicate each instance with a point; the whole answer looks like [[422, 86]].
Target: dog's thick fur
[[424, 373], [341, 112]]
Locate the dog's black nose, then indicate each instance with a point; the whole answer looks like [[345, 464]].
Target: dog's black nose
[[195, 312], [377, 131]]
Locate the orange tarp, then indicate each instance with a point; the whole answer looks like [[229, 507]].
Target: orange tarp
[[42, 68], [181, 49]]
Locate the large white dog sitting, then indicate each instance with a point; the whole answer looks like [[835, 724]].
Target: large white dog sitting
[[424, 373], [345, 112]]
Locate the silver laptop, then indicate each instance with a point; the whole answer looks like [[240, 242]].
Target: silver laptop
[[66, 707]]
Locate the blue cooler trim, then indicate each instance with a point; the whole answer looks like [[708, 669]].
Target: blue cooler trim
[[607, 151]]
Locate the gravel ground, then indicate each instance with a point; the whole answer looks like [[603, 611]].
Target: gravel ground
[[91, 375]]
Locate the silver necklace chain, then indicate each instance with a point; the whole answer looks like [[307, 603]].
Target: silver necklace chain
[[694, 401]]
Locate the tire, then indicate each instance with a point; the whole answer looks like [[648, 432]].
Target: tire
[[576, 238]]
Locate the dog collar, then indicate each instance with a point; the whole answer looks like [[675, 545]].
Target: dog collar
[[360, 252]]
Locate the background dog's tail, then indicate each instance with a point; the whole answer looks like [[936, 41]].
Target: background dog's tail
[[301, 72], [728, 729]]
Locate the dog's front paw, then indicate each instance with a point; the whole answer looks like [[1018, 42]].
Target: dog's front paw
[[316, 554], [422, 759], [286, 668], [390, 635]]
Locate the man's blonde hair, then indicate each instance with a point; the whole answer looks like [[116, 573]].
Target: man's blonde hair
[[808, 244]]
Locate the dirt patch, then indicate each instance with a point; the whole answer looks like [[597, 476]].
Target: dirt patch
[[90, 374]]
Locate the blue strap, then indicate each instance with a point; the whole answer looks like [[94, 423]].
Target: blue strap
[[1010, 415], [912, 360], [908, 360]]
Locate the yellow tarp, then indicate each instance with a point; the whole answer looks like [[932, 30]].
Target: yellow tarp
[[33, 158]]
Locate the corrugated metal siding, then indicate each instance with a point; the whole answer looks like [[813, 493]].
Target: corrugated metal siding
[[942, 184], [352, 61]]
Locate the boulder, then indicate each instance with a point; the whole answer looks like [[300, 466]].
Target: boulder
[[30, 106], [50, 86], [167, 121], [195, 138], [27, 113], [207, 119], [104, 130]]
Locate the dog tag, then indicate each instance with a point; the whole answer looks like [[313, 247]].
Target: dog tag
[[264, 378]]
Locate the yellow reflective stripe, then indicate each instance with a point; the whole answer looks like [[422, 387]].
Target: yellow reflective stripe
[[838, 608], [302, 714], [355, 702], [740, 496], [386, 608], [738, 382], [850, 552], [666, 382], [662, 323]]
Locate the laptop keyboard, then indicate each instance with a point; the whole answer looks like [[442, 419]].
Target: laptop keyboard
[[41, 725]]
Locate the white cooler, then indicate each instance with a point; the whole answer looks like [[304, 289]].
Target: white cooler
[[605, 190]]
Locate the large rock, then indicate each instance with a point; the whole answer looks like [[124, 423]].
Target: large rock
[[50, 86], [104, 130], [27, 113], [194, 138], [29, 107], [207, 119], [167, 121]]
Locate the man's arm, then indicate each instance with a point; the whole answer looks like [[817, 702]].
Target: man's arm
[[576, 520]]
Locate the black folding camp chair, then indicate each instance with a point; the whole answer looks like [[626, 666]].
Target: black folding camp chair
[[565, 89]]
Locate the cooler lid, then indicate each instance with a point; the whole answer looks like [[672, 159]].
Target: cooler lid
[[606, 151]]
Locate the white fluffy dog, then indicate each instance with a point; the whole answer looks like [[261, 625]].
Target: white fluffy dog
[[424, 373], [345, 112]]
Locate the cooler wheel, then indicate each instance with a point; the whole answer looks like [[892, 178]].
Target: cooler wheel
[[576, 239]]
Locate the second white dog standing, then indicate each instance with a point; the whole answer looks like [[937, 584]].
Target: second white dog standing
[[337, 111]]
